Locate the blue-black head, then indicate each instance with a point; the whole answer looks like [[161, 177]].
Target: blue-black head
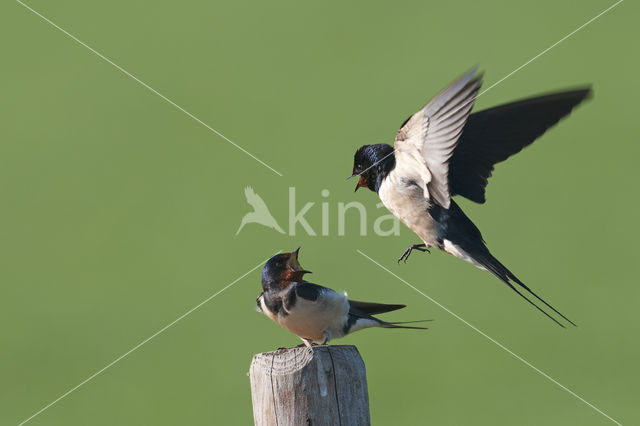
[[372, 163], [282, 270]]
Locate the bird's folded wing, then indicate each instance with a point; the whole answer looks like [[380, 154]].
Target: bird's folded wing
[[430, 135], [495, 134], [369, 308], [310, 291]]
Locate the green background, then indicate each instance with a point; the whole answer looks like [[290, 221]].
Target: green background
[[119, 212]]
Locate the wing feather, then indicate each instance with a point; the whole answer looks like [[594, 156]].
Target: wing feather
[[369, 308], [433, 133], [493, 135]]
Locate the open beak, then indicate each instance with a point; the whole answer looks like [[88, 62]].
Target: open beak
[[294, 264], [361, 182]]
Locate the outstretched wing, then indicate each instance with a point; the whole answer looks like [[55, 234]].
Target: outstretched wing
[[495, 134], [430, 135]]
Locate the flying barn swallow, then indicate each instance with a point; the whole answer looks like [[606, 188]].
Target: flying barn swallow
[[441, 151], [312, 312]]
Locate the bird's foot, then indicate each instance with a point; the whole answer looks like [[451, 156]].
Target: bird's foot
[[301, 345], [308, 343], [327, 337], [420, 247]]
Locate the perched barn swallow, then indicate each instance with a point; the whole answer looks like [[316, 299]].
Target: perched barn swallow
[[310, 311], [441, 151]]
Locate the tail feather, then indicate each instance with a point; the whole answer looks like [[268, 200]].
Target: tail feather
[[494, 266], [521, 284], [467, 244], [360, 321], [532, 303], [410, 322], [384, 324]]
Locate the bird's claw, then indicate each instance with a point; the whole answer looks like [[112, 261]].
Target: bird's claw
[[421, 247], [302, 345]]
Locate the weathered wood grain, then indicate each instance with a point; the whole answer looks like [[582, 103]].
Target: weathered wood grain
[[325, 385]]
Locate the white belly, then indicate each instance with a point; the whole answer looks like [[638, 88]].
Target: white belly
[[408, 203], [315, 320]]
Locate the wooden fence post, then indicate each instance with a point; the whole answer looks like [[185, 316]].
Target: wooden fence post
[[326, 385]]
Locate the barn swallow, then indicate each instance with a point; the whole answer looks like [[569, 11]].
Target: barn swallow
[[441, 151], [312, 312]]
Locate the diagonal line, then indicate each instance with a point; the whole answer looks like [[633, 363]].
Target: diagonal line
[[127, 73], [141, 343], [516, 70], [518, 357], [551, 47]]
